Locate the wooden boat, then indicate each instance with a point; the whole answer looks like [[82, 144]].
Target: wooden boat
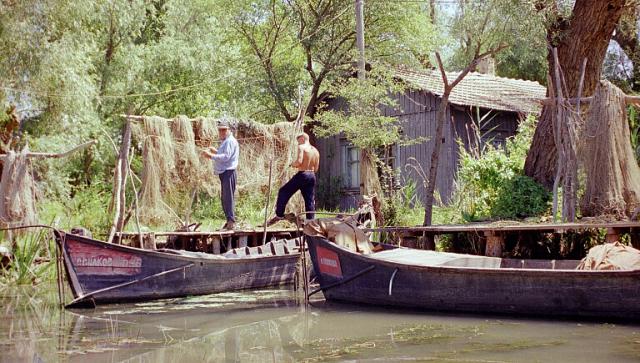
[[101, 272], [438, 281]]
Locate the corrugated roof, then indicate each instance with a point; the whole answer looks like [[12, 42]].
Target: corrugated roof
[[481, 90]]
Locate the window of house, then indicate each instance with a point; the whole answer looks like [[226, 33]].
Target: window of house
[[351, 167], [388, 174]]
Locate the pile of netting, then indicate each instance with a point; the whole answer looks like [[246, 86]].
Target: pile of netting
[[174, 167]]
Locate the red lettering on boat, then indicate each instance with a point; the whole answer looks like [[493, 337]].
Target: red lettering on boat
[[329, 262], [88, 259]]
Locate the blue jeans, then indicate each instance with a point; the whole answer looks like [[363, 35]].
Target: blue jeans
[[305, 182], [227, 191]]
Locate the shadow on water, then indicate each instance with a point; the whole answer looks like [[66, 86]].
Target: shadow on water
[[268, 326]]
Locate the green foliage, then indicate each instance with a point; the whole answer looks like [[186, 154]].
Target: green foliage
[[25, 269], [490, 181], [634, 128], [249, 209], [311, 43], [520, 197], [403, 207], [88, 209], [361, 120], [480, 181], [516, 24]]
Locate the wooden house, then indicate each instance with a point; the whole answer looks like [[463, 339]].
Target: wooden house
[[481, 105]]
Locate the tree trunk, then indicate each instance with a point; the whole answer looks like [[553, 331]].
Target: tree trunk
[[441, 119], [613, 175], [585, 35]]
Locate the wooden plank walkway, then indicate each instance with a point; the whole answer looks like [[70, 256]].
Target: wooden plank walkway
[[234, 233], [496, 227], [495, 232]]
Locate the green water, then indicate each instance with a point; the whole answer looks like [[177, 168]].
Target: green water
[[268, 326]]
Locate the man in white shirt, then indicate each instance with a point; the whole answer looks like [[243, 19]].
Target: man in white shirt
[[225, 159]]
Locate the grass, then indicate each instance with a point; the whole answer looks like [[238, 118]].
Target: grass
[[28, 266]]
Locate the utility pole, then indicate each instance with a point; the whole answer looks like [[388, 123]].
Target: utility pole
[[367, 179], [360, 38]]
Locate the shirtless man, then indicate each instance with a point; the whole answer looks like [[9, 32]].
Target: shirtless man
[[304, 180]]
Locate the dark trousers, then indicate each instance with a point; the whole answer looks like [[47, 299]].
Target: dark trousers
[[227, 192], [305, 182]]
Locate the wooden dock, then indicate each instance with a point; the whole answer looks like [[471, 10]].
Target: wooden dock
[[412, 236], [494, 233], [209, 241]]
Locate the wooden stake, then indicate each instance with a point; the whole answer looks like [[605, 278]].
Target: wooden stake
[[135, 203], [266, 207], [120, 183]]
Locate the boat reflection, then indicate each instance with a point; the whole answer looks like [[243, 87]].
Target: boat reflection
[[240, 326]]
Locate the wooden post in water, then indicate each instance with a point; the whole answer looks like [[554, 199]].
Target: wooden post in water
[[149, 242], [242, 241], [215, 241], [120, 183], [495, 244]]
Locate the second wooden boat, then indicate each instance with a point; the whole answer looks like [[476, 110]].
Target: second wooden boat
[[402, 277]]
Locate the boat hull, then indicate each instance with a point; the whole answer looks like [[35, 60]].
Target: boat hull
[[350, 277], [101, 272]]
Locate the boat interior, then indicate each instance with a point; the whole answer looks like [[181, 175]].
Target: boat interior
[[441, 259], [281, 247]]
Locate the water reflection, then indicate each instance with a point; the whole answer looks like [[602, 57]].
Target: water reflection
[[268, 326]]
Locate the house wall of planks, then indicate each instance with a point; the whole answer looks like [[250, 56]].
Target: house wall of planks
[[416, 113]]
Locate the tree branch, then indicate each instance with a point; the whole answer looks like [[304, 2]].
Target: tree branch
[[442, 71], [62, 154]]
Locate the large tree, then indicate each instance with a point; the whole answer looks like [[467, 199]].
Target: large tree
[[584, 32], [312, 43]]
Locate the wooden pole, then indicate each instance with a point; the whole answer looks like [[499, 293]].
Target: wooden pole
[[124, 173], [119, 187], [116, 200], [360, 38], [266, 207], [135, 203]]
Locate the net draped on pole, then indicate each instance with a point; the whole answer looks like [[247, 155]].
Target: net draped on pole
[[17, 190]]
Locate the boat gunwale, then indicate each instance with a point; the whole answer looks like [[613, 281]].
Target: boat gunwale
[[171, 256], [485, 271]]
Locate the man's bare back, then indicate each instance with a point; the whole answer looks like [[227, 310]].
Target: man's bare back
[[308, 158], [307, 162]]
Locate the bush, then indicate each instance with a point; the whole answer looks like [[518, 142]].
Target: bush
[[479, 182], [521, 197], [88, 208], [403, 208], [490, 183]]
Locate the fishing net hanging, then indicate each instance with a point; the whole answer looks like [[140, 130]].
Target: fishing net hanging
[[17, 190], [173, 166]]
